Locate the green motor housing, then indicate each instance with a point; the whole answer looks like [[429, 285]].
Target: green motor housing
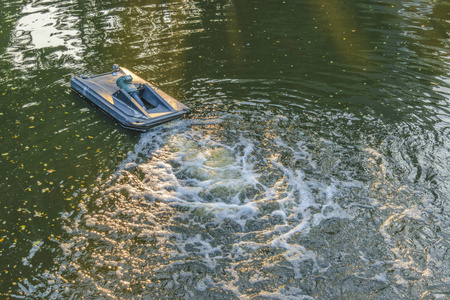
[[125, 82]]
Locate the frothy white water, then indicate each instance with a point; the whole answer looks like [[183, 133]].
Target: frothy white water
[[201, 202], [200, 210]]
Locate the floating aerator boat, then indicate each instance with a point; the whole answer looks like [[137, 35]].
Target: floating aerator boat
[[129, 99]]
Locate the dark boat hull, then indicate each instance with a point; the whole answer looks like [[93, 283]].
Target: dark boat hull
[[102, 91]]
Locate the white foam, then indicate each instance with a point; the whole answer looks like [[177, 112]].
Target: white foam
[[177, 192]]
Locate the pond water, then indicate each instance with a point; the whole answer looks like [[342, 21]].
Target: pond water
[[314, 164]]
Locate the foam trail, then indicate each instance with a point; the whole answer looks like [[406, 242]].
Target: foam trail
[[205, 210]]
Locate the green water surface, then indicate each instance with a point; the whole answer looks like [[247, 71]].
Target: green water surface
[[353, 95]]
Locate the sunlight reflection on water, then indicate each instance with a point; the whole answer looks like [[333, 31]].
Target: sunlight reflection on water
[[45, 26], [314, 165]]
